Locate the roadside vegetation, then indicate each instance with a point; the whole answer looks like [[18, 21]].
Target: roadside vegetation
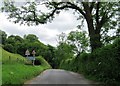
[[72, 53], [95, 53], [102, 65], [17, 69], [18, 45]]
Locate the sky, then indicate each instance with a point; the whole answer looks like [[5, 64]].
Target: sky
[[47, 33]]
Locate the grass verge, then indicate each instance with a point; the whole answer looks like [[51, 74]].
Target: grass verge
[[14, 70], [19, 73]]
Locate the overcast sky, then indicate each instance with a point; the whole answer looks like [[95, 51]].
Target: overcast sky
[[47, 33]]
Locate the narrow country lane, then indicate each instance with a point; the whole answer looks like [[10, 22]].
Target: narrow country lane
[[57, 76]]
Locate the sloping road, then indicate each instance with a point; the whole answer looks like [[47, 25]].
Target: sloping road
[[57, 76]]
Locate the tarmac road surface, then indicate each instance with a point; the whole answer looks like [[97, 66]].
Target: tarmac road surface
[[58, 76]]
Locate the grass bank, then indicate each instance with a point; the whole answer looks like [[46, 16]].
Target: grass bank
[[19, 73], [15, 71]]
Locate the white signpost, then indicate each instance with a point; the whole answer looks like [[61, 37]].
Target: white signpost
[[27, 52], [33, 52]]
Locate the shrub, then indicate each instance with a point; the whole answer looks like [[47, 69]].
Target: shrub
[[42, 61], [102, 65]]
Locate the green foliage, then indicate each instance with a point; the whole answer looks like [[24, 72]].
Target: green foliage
[[63, 52], [15, 71], [3, 37], [100, 17], [8, 57], [39, 47], [43, 61], [9, 48], [49, 55], [31, 38], [69, 46], [24, 14], [19, 73], [12, 43], [78, 41], [18, 45], [102, 65]]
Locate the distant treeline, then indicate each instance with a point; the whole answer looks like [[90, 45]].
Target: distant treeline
[[17, 44]]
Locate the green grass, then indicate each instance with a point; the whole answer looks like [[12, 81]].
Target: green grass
[[15, 71], [7, 57], [19, 73]]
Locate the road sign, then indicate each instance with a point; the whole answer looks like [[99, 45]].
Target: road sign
[[33, 52], [27, 52], [31, 58]]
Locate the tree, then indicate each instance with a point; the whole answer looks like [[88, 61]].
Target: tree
[[13, 41], [31, 42], [50, 55], [31, 38], [18, 39], [99, 16], [9, 48], [79, 41], [3, 37], [62, 38], [63, 50]]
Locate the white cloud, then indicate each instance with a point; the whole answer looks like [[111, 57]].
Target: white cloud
[[64, 21], [47, 33]]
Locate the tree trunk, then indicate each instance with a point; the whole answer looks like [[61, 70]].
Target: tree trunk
[[93, 33], [95, 41]]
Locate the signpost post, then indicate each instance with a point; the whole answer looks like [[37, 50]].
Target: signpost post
[[27, 53]]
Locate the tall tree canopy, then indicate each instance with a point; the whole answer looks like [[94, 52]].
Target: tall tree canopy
[[31, 37], [79, 41], [99, 16]]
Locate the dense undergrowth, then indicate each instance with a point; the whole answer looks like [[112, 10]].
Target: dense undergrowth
[[103, 65]]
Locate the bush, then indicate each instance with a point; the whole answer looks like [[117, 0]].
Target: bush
[[101, 65], [9, 48], [42, 61]]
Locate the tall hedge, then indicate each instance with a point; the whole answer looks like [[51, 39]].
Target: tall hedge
[[102, 65]]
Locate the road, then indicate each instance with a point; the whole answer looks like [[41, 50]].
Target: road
[[57, 76]]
